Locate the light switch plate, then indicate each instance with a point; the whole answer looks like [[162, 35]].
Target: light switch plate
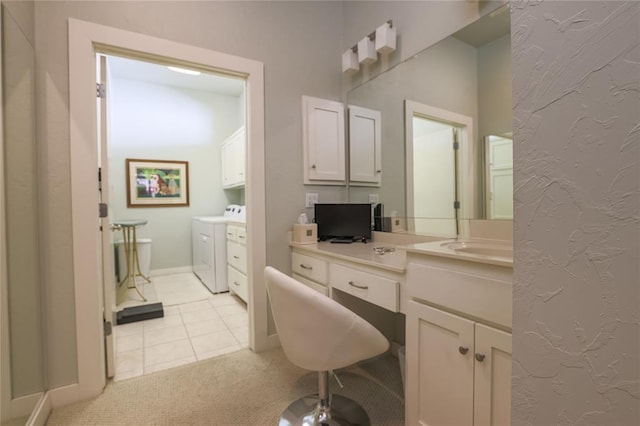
[[311, 199]]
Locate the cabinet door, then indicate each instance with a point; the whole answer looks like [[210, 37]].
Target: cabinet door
[[232, 154], [439, 367], [239, 151], [365, 146], [323, 138], [492, 377]]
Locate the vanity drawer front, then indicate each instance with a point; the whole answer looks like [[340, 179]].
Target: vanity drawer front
[[232, 233], [310, 267], [375, 289], [241, 235], [314, 285], [237, 256], [237, 282], [479, 296]]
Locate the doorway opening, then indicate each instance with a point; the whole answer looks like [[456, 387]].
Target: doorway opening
[[159, 117], [85, 41]]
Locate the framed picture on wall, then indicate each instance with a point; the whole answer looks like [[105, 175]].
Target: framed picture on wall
[[157, 183]]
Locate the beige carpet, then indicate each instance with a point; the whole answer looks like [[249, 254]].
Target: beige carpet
[[242, 388]]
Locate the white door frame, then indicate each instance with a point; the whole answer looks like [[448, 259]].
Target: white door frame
[[85, 39], [466, 155]]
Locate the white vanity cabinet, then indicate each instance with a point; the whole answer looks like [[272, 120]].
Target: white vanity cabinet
[[352, 269], [237, 260], [323, 141], [233, 163], [458, 342]]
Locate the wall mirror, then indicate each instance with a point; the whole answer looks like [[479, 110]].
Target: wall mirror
[[468, 75]]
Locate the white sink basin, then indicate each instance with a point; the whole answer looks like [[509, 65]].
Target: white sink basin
[[481, 249]]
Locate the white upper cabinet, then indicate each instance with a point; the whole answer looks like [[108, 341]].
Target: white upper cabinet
[[365, 147], [233, 153], [323, 141]]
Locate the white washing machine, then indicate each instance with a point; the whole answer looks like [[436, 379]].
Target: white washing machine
[[209, 247]]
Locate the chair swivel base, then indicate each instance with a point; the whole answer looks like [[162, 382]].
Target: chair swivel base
[[342, 411]]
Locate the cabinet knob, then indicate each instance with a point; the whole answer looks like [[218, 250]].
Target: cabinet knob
[[480, 357], [463, 350], [378, 171], [313, 166]]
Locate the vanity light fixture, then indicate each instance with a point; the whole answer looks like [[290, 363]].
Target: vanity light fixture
[[350, 63], [382, 40], [386, 38], [367, 51], [184, 70]]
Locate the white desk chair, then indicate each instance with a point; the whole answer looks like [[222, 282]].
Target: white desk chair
[[319, 334]]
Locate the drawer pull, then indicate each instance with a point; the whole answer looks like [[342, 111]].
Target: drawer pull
[[303, 266], [241, 237], [463, 350], [236, 283], [236, 257], [479, 357], [361, 287]]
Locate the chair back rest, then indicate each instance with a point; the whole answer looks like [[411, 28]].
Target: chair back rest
[[316, 332]]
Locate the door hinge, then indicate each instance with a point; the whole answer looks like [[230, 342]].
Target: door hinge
[[101, 90], [108, 329], [456, 144], [99, 178], [103, 210], [456, 204]]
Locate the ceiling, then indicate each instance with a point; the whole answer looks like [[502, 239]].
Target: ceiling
[[132, 69], [488, 28]]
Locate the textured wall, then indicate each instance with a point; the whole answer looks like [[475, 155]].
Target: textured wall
[[576, 325]]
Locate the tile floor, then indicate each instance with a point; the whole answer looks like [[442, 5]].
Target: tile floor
[[187, 333]]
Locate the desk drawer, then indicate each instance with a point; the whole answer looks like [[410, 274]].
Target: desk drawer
[[237, 282], [378, 290], [241, 235], [237, 256], [310, 267], [314, 285]]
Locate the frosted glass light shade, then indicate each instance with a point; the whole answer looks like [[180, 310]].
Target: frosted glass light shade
[[366, 51], [350, 63], [385, 38]]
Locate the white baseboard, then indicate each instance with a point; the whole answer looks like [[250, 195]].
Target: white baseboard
[[273, 341], [169, 271], [24, 405], [65, 395], [41, 413]]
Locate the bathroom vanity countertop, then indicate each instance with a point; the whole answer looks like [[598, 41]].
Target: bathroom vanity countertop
[[363, 253], [481, 251]]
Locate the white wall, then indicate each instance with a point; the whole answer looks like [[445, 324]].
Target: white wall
[[576, 328], [159, 122]]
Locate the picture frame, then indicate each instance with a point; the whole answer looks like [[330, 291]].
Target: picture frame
[[157, 183]]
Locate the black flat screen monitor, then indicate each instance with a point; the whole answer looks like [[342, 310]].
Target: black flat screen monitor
[[343, 221]]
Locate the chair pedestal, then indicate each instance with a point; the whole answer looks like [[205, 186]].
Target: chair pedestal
[[324, 409]]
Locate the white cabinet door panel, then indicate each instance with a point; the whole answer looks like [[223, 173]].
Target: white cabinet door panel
[[439, 367], [324, 142], [365, 146], [492, 377]]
